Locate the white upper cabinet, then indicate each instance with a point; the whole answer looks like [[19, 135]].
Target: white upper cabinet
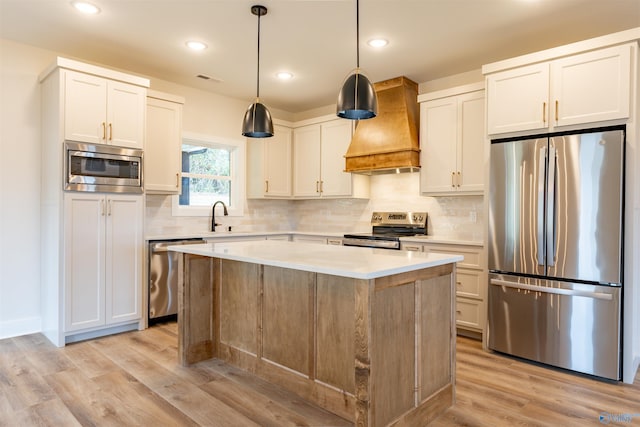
[[579, 89], [591, 87], [277, 163], [269, 165], [452, 143], [102, 111], [306, 161], [518, 99], [318, 162], [162, 154], [335, 182]]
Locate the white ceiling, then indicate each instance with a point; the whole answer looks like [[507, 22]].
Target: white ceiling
[[314, 39]]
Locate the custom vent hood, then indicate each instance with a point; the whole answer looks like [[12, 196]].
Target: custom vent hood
[[389, 142]]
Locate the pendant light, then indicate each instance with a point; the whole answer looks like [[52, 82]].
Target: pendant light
[[257, 121], [357, 99]]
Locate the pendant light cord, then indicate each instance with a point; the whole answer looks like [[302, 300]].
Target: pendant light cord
[[258, 73], [357, 34]]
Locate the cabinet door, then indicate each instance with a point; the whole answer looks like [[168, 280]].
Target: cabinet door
[[84, 271], [306, 161], [85, 108], [125, 114], [163, 147], [438, 155], [124, 252], [470, 152], [591, 87], [335, 137], [518, 99], [277, 152]]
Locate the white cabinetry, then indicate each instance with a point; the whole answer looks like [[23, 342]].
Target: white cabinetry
[[452, 135], [98, 110], [103, 243], [162, 154], [269, 165], [471, 279], [318, 162], [583, 88], [91, 281]]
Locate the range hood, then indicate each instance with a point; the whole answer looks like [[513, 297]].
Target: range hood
[[389, 142]]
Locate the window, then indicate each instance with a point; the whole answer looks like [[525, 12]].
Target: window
[[212, 170]]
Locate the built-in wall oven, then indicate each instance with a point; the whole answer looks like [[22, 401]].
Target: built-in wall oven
[[102, 168]]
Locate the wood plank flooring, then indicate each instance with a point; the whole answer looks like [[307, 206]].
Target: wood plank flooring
[[132, 379]]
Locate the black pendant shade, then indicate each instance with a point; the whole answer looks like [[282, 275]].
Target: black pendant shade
[[257, 121], [357, 99]]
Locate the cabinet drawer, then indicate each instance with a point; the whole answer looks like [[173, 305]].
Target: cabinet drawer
[[468, 283], [471, 255], [468, 313]]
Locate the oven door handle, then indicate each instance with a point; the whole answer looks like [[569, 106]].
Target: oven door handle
[[382, 244]]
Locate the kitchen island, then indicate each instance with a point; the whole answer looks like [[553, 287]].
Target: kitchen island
[[367, 334]]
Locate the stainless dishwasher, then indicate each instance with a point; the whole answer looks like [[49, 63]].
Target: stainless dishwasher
[[163, 278]]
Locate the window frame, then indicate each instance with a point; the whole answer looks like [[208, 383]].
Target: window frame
[[237, 152]]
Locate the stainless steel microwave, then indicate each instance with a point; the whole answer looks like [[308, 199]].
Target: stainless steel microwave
[[102, 168]]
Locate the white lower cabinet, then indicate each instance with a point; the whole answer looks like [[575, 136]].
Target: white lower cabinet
[[103, 247], [471, 279]]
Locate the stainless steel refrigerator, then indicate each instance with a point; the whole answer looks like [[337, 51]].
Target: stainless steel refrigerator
[[556, 250]]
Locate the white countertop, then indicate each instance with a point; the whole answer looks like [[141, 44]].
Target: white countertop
[[445, 240], [345, 261]]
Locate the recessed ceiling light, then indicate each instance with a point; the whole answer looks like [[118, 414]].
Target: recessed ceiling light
[[85, 7], [195, 45], [284, 75], [377, 42]]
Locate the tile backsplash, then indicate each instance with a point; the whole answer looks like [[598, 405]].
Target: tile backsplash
[[456, 217]]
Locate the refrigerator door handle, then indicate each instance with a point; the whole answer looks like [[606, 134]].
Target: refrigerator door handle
[[551, 203], [559, 291], [540, 225]]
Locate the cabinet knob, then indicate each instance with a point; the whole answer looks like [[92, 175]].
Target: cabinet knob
[[544, 112], [104, 130], [453, 179], [110, 132], [459, 178], [556, 111]]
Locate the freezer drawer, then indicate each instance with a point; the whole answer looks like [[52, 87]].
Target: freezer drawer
[[568, 325]]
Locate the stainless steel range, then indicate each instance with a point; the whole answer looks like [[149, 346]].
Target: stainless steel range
[[388, 227]]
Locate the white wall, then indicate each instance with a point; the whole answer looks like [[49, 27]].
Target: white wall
[[20, 187]]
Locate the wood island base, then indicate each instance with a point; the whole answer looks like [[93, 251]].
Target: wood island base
[[377, 352]]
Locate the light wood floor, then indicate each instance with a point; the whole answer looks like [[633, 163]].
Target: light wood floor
[[133, 379]]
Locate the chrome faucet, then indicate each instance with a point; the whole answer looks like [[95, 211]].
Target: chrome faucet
[[213, 214]]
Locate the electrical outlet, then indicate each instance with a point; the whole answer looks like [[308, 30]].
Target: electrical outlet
[[473, 216]]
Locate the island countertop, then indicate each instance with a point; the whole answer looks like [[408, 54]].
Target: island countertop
[[345, 261]]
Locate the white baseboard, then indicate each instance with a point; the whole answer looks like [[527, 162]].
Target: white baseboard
[[15, 328]]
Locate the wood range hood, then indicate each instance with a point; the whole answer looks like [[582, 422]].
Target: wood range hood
[[389, 142]]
